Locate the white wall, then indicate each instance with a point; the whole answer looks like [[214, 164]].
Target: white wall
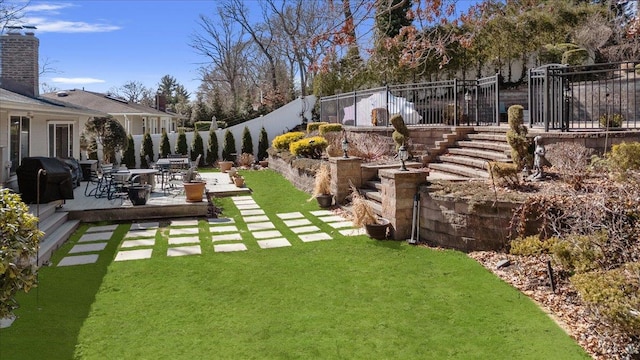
[[275, 123]]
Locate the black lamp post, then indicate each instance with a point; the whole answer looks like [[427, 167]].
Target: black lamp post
[[403, 155], [345, 145]]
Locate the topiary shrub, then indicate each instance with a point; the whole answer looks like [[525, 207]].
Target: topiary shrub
[[146, 151], [575, 57], [282, 142], [229, 146], [309, 147], [247, 142], [165, 146], [327, 128], [181, 143], [517, 137], [92, 150], [263, 145], [401, 133], [197, 146], [504, 174], [18, 249], [315, 126], [129, 156], [611, 120], [212, 148]]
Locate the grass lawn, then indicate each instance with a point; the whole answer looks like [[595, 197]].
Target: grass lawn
[[350, 298]]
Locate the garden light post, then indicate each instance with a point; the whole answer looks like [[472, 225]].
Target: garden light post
[[345, 145], [567, 105], [403, 155]]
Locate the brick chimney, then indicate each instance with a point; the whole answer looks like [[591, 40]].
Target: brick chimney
[[161, 102], [19, 70]]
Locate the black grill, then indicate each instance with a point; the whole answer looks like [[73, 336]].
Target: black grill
[[55, 182]]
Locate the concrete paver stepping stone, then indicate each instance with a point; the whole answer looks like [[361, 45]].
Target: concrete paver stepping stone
[[305, 229], [184, 250], [80, 248], [138, 242], [78, 260], [183, 231], [341, 224], [213, 221], [226, 237], [248, 206], [222, 229], [321, 212], [273, 243], [266, 234], [229, 247], [297, 222], [353, 232], [184, 222], [145, 225], [251, 212], [141, 233], [133, 255], [244, 201], [96, 236], [241, 197], [291, 215], [258, 218], [260, 226], [314, 237], [333, 218], [102, 228], [184, 240]]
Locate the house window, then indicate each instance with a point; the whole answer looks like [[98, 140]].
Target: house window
[[60, 139], [19, 130]]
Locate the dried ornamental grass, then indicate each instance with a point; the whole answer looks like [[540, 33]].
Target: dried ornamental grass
[[361, 212], [322, 184]]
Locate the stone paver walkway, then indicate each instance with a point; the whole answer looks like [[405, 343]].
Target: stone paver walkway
[[185, 237]]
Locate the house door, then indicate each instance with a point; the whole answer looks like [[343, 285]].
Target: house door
[[20, 134], [61, 140]]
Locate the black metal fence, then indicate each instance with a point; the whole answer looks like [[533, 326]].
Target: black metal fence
[[448, 102], [573, 98]]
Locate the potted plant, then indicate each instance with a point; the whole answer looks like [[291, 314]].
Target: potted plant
[[139, 193], [193, 187], [238, 180], [322, 187], [362, 215]]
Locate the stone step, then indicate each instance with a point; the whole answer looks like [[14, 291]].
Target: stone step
[[486, 145], [459, 170], [435, 175], [481, 154], [373, 195], [45, 209], [488, 137], [373, 184], [464, 160], [54, 239], [52, 222]]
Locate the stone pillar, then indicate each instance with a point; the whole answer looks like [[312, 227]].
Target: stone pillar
[[398, 190], [344, 170]]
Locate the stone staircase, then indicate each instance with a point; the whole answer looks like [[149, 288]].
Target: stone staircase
[[464, 155], [56, 227]]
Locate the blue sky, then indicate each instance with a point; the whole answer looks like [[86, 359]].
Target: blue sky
[[103, 44]]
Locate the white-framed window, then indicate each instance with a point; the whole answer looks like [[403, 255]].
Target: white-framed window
[[60, 139], [19, 140]]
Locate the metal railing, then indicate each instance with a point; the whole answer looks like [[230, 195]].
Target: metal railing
[[448, 102], [573, 98]]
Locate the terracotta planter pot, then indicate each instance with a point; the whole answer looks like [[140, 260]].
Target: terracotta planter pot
[[194, 191], [264, 163], [239, 181], [325, 201], [378, 231], [225, 165]]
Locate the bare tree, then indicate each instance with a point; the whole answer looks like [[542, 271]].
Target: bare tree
[[11, 12], [227, 50]]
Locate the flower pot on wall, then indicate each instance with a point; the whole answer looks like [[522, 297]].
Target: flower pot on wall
[[325, 200], [225, 165], [194, 191], [379, 230]]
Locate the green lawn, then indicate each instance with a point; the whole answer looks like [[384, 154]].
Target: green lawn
[[350, 298]]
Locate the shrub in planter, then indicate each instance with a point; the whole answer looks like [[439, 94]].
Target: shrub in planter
[[611, 120], [315, 126], [197, 146], [181, 143], [129, 156], [19, 243], [401, 133], [263, 145], [326, 128], [245, 160], [282, 142], [247, 142], [322, 187], [165, 146], [229, 146], [309, 147], [212, 148]]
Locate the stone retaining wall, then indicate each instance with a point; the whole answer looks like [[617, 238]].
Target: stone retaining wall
[[299, 178]]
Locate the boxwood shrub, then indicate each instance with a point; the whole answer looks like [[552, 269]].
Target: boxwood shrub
[[309, 147], [313, 126], [326, 128], [281, 142]]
